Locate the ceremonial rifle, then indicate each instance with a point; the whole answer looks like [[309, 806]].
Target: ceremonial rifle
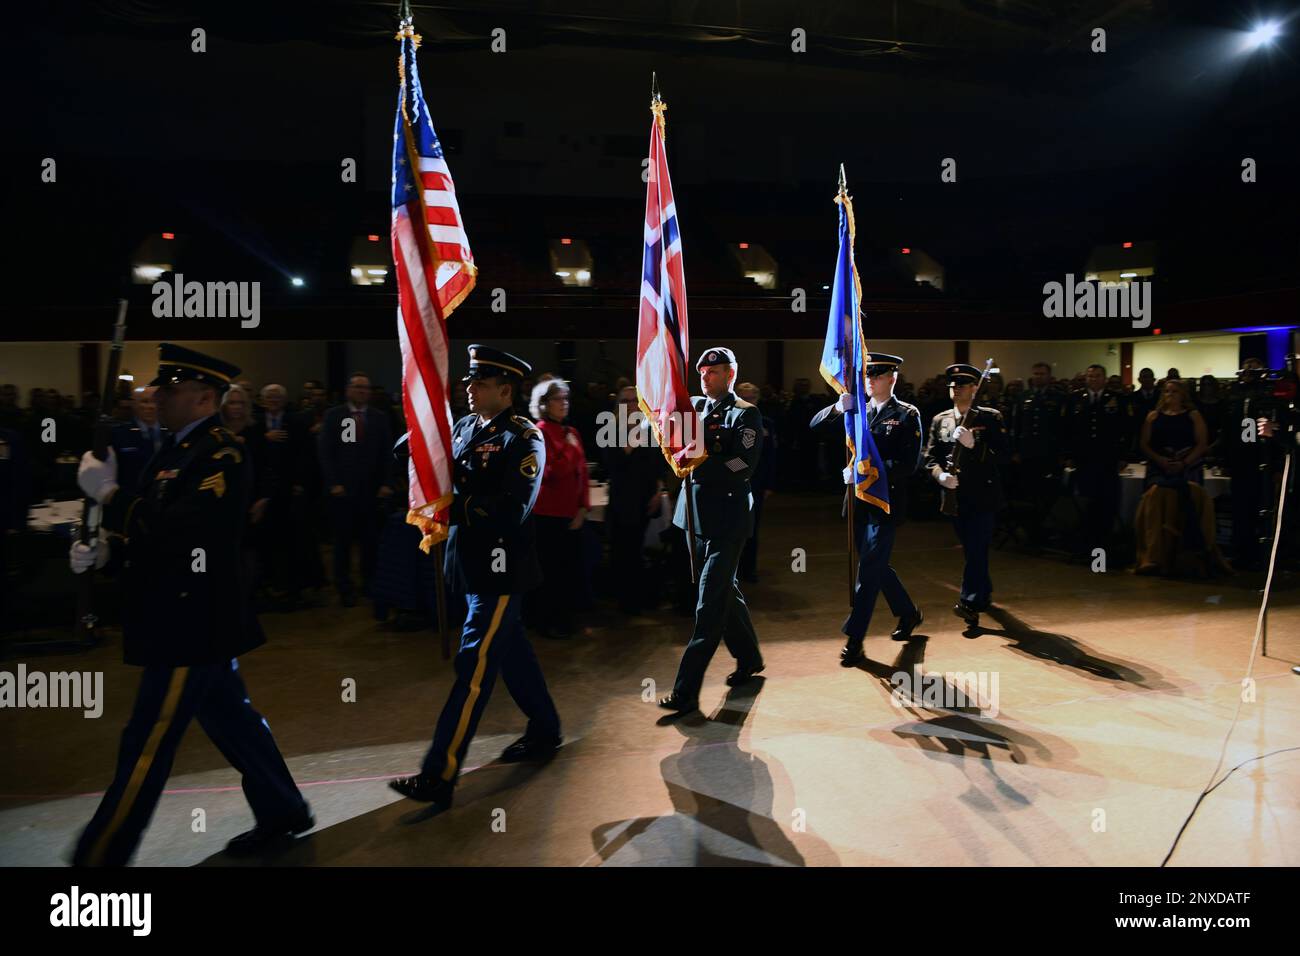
[[87, 624]]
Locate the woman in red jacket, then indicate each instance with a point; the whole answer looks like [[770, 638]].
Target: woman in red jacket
[[560, 510]]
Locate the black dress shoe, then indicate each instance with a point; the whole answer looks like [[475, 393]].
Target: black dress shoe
[[531, 748], [851, 653], [742, 675], [906, 625], [679, 704], [967, 613], [424, 788], [262, 838]]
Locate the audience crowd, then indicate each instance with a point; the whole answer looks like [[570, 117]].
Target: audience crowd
[[328, 512]]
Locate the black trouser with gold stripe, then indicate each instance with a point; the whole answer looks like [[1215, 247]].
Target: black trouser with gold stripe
[[493, 640], [168, 699]]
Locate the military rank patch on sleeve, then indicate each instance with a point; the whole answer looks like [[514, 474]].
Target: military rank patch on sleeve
[[747, 437], [528, 467], [214, 483], [736, 464]]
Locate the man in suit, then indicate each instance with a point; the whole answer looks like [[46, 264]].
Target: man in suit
[[278, 439], [187, 615], [491, 560], [718, 490], [896, 430], [137, 441], [355, 445], [964, 454]]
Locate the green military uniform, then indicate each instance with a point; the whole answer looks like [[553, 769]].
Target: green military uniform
[[187, 617], [718, 489]]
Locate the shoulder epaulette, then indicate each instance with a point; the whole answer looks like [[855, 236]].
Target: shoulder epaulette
[[741, 403], [525, 426]]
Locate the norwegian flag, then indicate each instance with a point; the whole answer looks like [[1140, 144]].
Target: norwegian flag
[[435, 271], [663, 337]]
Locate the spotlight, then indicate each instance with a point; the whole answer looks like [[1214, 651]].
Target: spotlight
[[1263, 35], [297, 281]]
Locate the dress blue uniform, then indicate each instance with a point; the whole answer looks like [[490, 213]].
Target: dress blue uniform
[[896, 429], [187, 617], [974, 504], [491, 559], [719, 490]]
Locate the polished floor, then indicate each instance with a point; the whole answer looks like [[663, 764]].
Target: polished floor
[[1103, 710]]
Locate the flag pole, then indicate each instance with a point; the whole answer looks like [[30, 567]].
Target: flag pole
[[658, 107], [406, 27], [850, 490]]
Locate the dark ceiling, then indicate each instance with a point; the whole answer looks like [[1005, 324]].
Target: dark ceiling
[[1058, 148]]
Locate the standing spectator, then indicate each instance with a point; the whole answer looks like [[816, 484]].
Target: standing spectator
[[237, 413], [760, 483], [138, 440], [636, 469], [1098, 436], [11, 416], [1037, 422], [279, 439], [799, 439], [1146, 397], [237, 418], [559, 512], [15, 493], [1251, 461], [1209, 402], [355, 448]]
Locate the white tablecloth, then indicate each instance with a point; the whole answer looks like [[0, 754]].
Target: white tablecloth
[[56, 515]]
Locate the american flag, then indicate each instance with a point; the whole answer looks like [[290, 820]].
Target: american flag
[[663, 338], [435, 271]]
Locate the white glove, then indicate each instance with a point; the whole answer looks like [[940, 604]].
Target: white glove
[[845, 402], [947, 480], [83, 556], [98, 479], [964, 435], [848, 474]]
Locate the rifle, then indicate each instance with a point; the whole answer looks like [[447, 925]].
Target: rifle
[[86, 629], [953, 466]]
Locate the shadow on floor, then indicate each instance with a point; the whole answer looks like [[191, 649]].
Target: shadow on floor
[[722, 800], [1069, 652], [395, 834]]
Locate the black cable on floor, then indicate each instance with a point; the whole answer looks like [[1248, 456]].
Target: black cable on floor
[[1211, 786]]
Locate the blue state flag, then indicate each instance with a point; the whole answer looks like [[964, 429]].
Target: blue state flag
[[844, 367]]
